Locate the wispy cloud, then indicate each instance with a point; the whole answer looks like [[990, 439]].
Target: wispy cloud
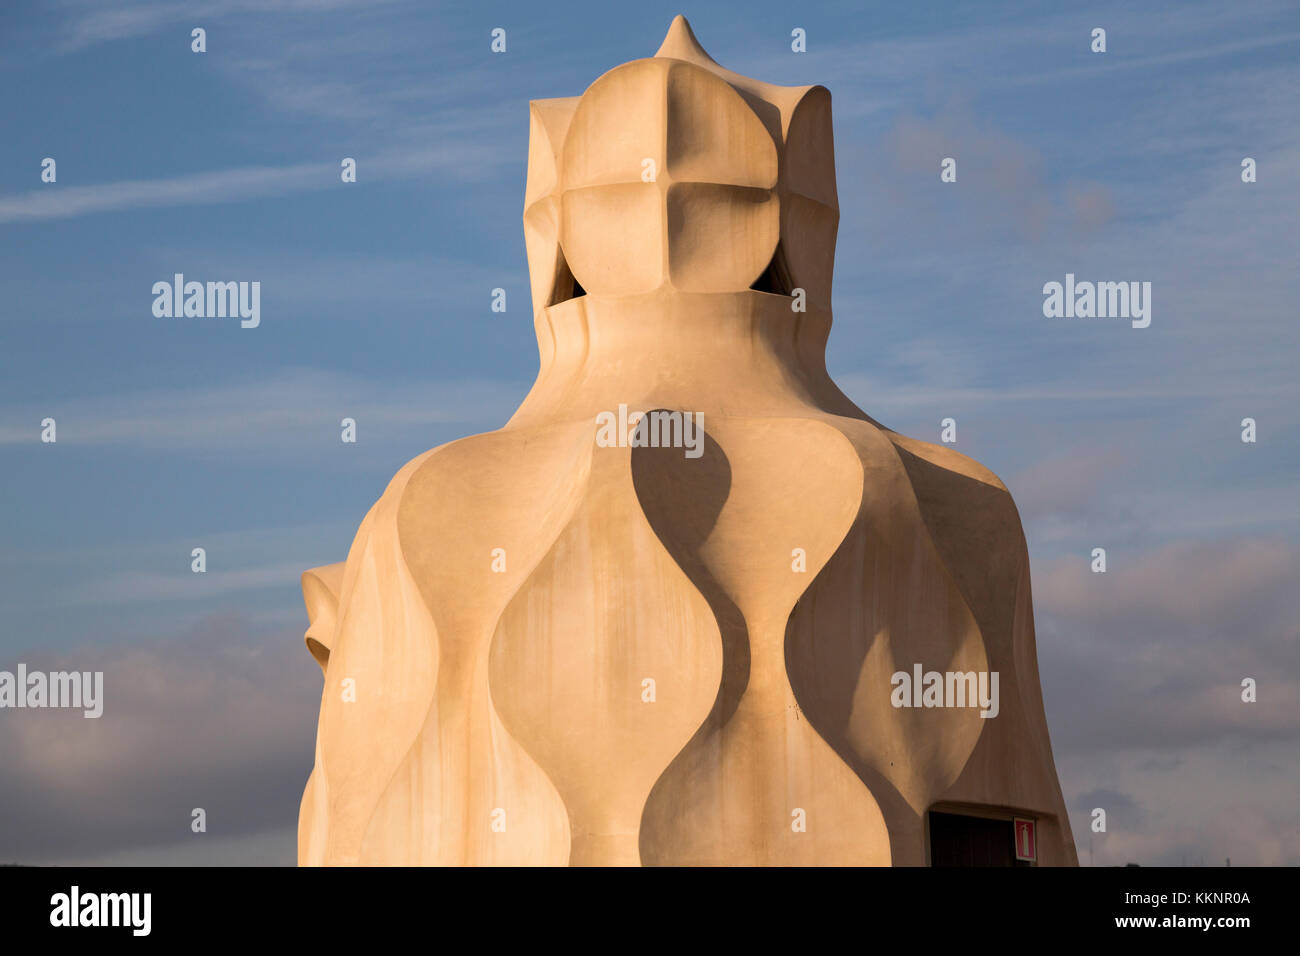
[[232, 185], [301, 409], [132, 586], [455, 160], [89, 23]]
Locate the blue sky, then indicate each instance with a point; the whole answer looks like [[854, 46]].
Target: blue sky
[[183, 433]]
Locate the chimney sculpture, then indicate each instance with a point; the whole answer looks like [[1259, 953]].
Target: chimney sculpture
[[690, 604]]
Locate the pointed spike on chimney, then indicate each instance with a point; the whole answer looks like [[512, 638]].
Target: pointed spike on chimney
[[680, 43]]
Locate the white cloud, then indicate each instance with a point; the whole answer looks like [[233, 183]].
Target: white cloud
[[129, 586], [235, 185], [90, 23], [299, 410]]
